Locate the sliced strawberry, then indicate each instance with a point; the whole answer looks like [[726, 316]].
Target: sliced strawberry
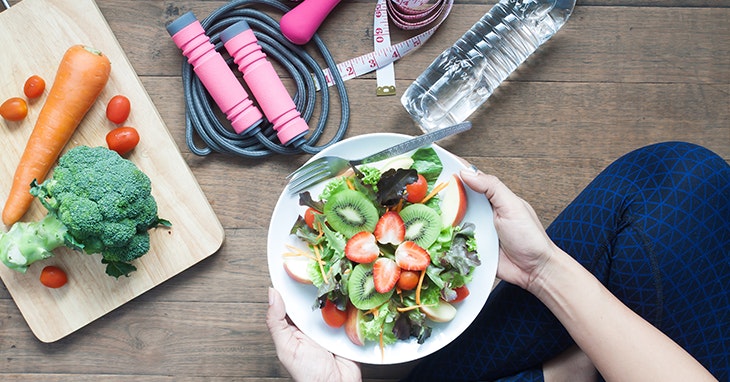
[[390, 229], [385, 274], [411, 257], [362, 248]]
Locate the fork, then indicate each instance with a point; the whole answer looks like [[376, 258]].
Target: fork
[[330, 166]]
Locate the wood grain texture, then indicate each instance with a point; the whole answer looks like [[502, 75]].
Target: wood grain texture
[[196, 232], [621, 74]]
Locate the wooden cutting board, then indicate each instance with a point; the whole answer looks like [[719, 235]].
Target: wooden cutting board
[[34, 35]]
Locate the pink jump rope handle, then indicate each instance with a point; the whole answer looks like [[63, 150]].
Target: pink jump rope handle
[[264, 83], [213, 72], [300, 24]]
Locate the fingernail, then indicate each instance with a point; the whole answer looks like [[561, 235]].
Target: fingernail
[[271, 296], [470, 171]]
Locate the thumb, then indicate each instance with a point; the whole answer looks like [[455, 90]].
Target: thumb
[[482, 183], [276, 316], [499, 195]]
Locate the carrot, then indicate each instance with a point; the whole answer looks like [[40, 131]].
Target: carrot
[[321, 263], [80, 78], [418, 287], [436, 190]]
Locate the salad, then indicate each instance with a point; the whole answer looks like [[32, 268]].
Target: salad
[[386, 249]]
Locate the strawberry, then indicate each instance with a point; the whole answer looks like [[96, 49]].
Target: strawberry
[[385, 274], [411, 257], [362, 248], [390, 229]]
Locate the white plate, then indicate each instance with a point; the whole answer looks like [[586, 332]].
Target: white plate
[[299, 298]]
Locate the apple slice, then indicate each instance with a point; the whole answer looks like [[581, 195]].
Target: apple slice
[[453, 202], [396, 163], [352, 325], [297, 267], [387, 164], [441, 312]]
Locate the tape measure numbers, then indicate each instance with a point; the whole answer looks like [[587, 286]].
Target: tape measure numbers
[[380, 58], [385, 76]]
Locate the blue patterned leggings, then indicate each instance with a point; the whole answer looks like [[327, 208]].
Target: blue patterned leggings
[[654, 228]]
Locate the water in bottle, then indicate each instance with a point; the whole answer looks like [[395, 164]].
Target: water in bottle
[[465, 75]]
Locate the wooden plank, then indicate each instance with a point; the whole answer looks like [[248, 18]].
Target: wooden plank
[[90, 293], [621, 74], [624, 44], [559, 115], [223, 301]]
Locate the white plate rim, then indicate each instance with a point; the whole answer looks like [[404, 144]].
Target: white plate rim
[[299, 298]]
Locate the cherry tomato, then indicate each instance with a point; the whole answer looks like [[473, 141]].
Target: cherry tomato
[[416, 191], [333, 316], [53, 277], [408, 280], [462, 292], [117, 110], [122, 139], [34, 87], [309, 216], [14, 109]]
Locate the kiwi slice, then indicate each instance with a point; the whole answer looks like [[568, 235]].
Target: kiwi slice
[[423, 224], [361, 288], [350, 212]]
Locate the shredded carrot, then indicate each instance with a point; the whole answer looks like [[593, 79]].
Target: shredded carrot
[[349, 184], [329, 273], [321, 263], [320, 230], [295, 251], [407, 308], [418, 287], [435, 191], [298, 252], [374, 311], [399, 206]]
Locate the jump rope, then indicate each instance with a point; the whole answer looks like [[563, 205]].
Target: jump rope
[[251, 37]]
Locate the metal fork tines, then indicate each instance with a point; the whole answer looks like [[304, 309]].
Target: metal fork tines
[[330, 166], [318, 170]]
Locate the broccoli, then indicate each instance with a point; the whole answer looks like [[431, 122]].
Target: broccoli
[[97, 202]]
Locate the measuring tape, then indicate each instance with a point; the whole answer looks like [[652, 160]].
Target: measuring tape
[[385, 76], [405, 14]]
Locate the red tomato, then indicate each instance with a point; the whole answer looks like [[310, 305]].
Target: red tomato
[[309, 216], [53, 277], [416, 191], [122, 139], [117, 110], [34, 87], [14, 109], [333, 316], [462, 292], [408, 280]]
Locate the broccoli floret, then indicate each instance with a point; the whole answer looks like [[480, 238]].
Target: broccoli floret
[[97, 202]]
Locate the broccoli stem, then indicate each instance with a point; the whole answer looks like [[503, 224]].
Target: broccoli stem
[[28, 242]]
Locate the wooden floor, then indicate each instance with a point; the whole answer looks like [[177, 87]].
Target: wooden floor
[[620, 74]]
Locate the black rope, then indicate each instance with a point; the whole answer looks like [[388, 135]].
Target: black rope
[[260, 141]]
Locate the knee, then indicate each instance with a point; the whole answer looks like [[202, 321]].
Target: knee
[[681, 156], [678, 149]]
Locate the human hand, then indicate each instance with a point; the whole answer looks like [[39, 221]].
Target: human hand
[[303, 358], [524, 247]]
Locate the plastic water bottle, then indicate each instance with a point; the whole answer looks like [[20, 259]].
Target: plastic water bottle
[[465, 75]]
